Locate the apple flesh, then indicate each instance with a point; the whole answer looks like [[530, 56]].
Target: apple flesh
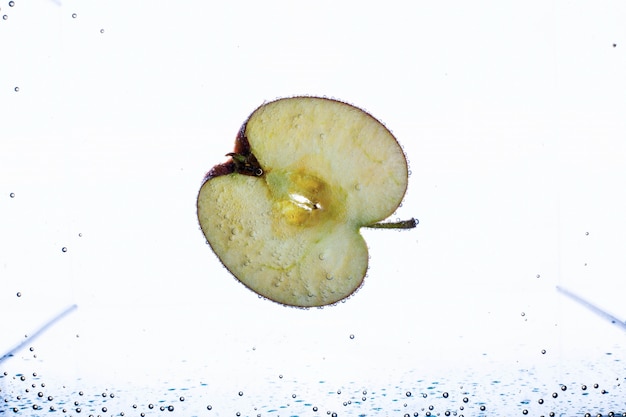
[[283, 213]]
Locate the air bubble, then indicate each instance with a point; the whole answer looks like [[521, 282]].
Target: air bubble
[[586, 233], [321, 256], [11, 3], [5, 17], [555, 395], [408, 393], [563, 387], [543, 351], [101, 30], [241, 393], [12, 195], [63, 249], [357, 187], [351, 336], [540, 401], [16, 89], [74, 15], [445, 395], [209, 407], [19, 294]]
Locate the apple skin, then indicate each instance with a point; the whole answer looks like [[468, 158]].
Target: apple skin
[[283, 213]]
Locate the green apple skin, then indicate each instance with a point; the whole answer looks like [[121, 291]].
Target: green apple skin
[[283, 213]]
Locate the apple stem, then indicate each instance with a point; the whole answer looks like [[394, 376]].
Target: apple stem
[[403, 224]]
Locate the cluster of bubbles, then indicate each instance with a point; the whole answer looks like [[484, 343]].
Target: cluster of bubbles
[[28, 394]]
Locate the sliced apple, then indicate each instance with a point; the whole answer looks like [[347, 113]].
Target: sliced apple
[[283, 213]]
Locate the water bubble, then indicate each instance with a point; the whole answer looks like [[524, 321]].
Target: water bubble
[[12, 195], [74, 15], [63, 249]]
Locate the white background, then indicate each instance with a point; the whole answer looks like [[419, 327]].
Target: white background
[[513, 118]]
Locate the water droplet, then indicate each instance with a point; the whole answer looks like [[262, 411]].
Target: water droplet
[[12, 195], [63, 249], [74, 15]]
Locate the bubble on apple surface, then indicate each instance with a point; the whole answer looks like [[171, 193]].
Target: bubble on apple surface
[[300, 199]]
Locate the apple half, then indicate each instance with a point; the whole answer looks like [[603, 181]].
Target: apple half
[[283, 213]]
